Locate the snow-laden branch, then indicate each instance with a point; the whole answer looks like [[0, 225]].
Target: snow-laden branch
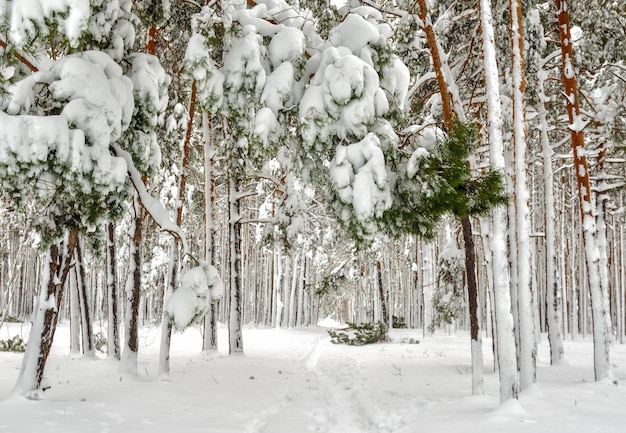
[[153, 206], [280, 186]]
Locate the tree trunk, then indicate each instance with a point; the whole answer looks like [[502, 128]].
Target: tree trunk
[[384, 308], [451, 99], [472, 292], [235, 336], [525, 297], [601, 339], [46, 315], [74, 315], [210, 323], [174, 265], [509, 384], [133, 292], [113, 329], [601, 199], [553, 286], [85, 310]]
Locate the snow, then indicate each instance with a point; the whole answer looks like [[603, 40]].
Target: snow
[[27, 16], [355, 33], [359, 175], [278, 91], [297, 381], [287, 46], [578, 123]]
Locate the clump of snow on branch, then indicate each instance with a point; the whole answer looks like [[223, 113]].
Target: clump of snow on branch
[[111, 27], [30, 17], [150, 83], [346, 98], [343, 99], [359, 174], [199, 287]]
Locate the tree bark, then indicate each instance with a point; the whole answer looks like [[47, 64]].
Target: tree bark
[[235, 334], [45, 319], [133, 292], [601, 339], [74, 315], [525, 296], [85, 311], [553, 286], [472, 294], [509, 382], [113, 328], [210, 321]]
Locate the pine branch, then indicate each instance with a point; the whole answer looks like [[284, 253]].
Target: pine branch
[[21, 58]]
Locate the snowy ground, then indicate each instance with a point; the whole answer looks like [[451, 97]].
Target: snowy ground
[[293, 381]]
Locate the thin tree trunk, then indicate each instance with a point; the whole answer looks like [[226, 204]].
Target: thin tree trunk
[[174, 265], [85, 310], [472, 291], [384, 308], [602, 365], [555, 335], [294, 288], [601, 199], [525, 297], [278, 283], [45, 319], [113, 329], [509, 384], [210, 322], [235, 336], [74, 315], [128, 362]]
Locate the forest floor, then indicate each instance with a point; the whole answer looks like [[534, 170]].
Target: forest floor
[[296, 381]]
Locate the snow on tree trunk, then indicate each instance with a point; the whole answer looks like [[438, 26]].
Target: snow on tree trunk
[[128, 362], [292, 296], [472, 294], [525, 297], [46, 315], [509, 384], [553, 287], [166, 325], [113, 329], [235, 336], [601, 200], [173, 269], [278, 280], [210, 321], [601, 337]]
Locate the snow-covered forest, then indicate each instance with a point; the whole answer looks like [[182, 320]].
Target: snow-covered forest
[[211, 171]]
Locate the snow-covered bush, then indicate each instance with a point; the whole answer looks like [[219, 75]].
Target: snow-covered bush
[[360, 334], [15, 344]]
